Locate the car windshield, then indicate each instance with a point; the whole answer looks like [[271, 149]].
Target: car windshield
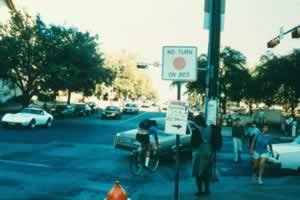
[[130, 105], [111, 108], [32, 111]]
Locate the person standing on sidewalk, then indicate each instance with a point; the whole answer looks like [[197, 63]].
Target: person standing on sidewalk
[[237, 135], [261, 118], [201, 162], [252, 132], [259, 152]]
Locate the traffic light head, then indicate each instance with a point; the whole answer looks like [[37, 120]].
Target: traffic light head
[[296, 33], [273, 43], [142, 66]]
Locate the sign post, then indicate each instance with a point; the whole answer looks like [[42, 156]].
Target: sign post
[[179, 64]]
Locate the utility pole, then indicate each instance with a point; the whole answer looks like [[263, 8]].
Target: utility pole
[[212, 76]]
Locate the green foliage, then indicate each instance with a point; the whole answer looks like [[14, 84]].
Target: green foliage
[[232, 71], [22, 56], [198, 87], [278, 77], [43, 60], [234, 76], [129, 81]]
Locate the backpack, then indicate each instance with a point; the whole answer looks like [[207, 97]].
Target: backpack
[[196, 139], [216, 138]]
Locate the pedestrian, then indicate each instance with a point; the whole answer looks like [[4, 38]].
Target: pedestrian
[[259, 153], [261, 117], [216, 145], [252, 131], [237, 135], [282, 123], [201, 162], [288, 123]]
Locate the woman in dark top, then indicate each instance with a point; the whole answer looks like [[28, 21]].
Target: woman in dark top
[[201, 162]]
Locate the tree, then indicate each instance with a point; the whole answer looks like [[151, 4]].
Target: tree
[[279, 80], [43, 60], [233, 74], [129, 81], [22, 56], [232, 71], [74, 62], [198, 87]]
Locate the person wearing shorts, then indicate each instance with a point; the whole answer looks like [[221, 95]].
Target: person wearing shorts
[[146, 128], [259, 152]]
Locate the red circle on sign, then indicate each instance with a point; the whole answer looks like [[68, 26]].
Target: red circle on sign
[[179, 63]]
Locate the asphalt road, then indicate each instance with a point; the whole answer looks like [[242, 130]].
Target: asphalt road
[[75, 159]]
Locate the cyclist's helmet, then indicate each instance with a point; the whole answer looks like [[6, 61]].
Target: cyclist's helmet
[[147, 123]]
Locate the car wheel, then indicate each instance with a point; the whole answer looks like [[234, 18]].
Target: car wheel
[[32, 124], [48, 123]]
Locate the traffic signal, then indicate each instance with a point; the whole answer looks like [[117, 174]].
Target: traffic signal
[[142, 66], [273, 43], [296, 33]]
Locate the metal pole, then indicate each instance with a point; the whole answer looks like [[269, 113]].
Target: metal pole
[[176, 195], [212, 77]]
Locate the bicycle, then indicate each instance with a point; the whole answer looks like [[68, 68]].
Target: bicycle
[[137, 161]]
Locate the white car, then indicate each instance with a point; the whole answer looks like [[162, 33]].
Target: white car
[[28, 117], [288, 154], [131, 108]]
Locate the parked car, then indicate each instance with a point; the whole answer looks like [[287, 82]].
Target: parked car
[[287, 155], [28, 117], [163, 107], [131, 108], [93, 106], [64, 110], [126, 140], [112, 112], [147, 104], [82, 109]]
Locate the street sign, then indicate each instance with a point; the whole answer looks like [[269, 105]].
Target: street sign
[[212, 112], [179, 63], [281, 32], [207, 7], [177, 116]]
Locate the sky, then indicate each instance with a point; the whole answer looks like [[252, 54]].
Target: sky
[[143, 27]]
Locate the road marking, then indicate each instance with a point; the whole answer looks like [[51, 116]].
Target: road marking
[[25, 163], [132, 118]]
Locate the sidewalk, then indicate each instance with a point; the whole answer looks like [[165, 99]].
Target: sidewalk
[[226, 132], [233, 188]]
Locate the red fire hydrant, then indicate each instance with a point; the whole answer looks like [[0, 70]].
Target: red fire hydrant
[[117, 193]]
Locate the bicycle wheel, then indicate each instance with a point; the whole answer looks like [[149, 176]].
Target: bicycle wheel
[[135, 164], [153, 163]]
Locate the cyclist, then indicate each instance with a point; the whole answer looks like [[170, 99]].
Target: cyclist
[[146, 128]]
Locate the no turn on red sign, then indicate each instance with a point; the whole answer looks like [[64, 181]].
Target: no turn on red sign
[[179, 63]]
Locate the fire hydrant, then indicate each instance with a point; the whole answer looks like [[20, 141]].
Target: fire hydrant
[[117, 193]]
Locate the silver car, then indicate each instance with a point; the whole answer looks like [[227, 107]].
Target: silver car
[[127, 140]]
